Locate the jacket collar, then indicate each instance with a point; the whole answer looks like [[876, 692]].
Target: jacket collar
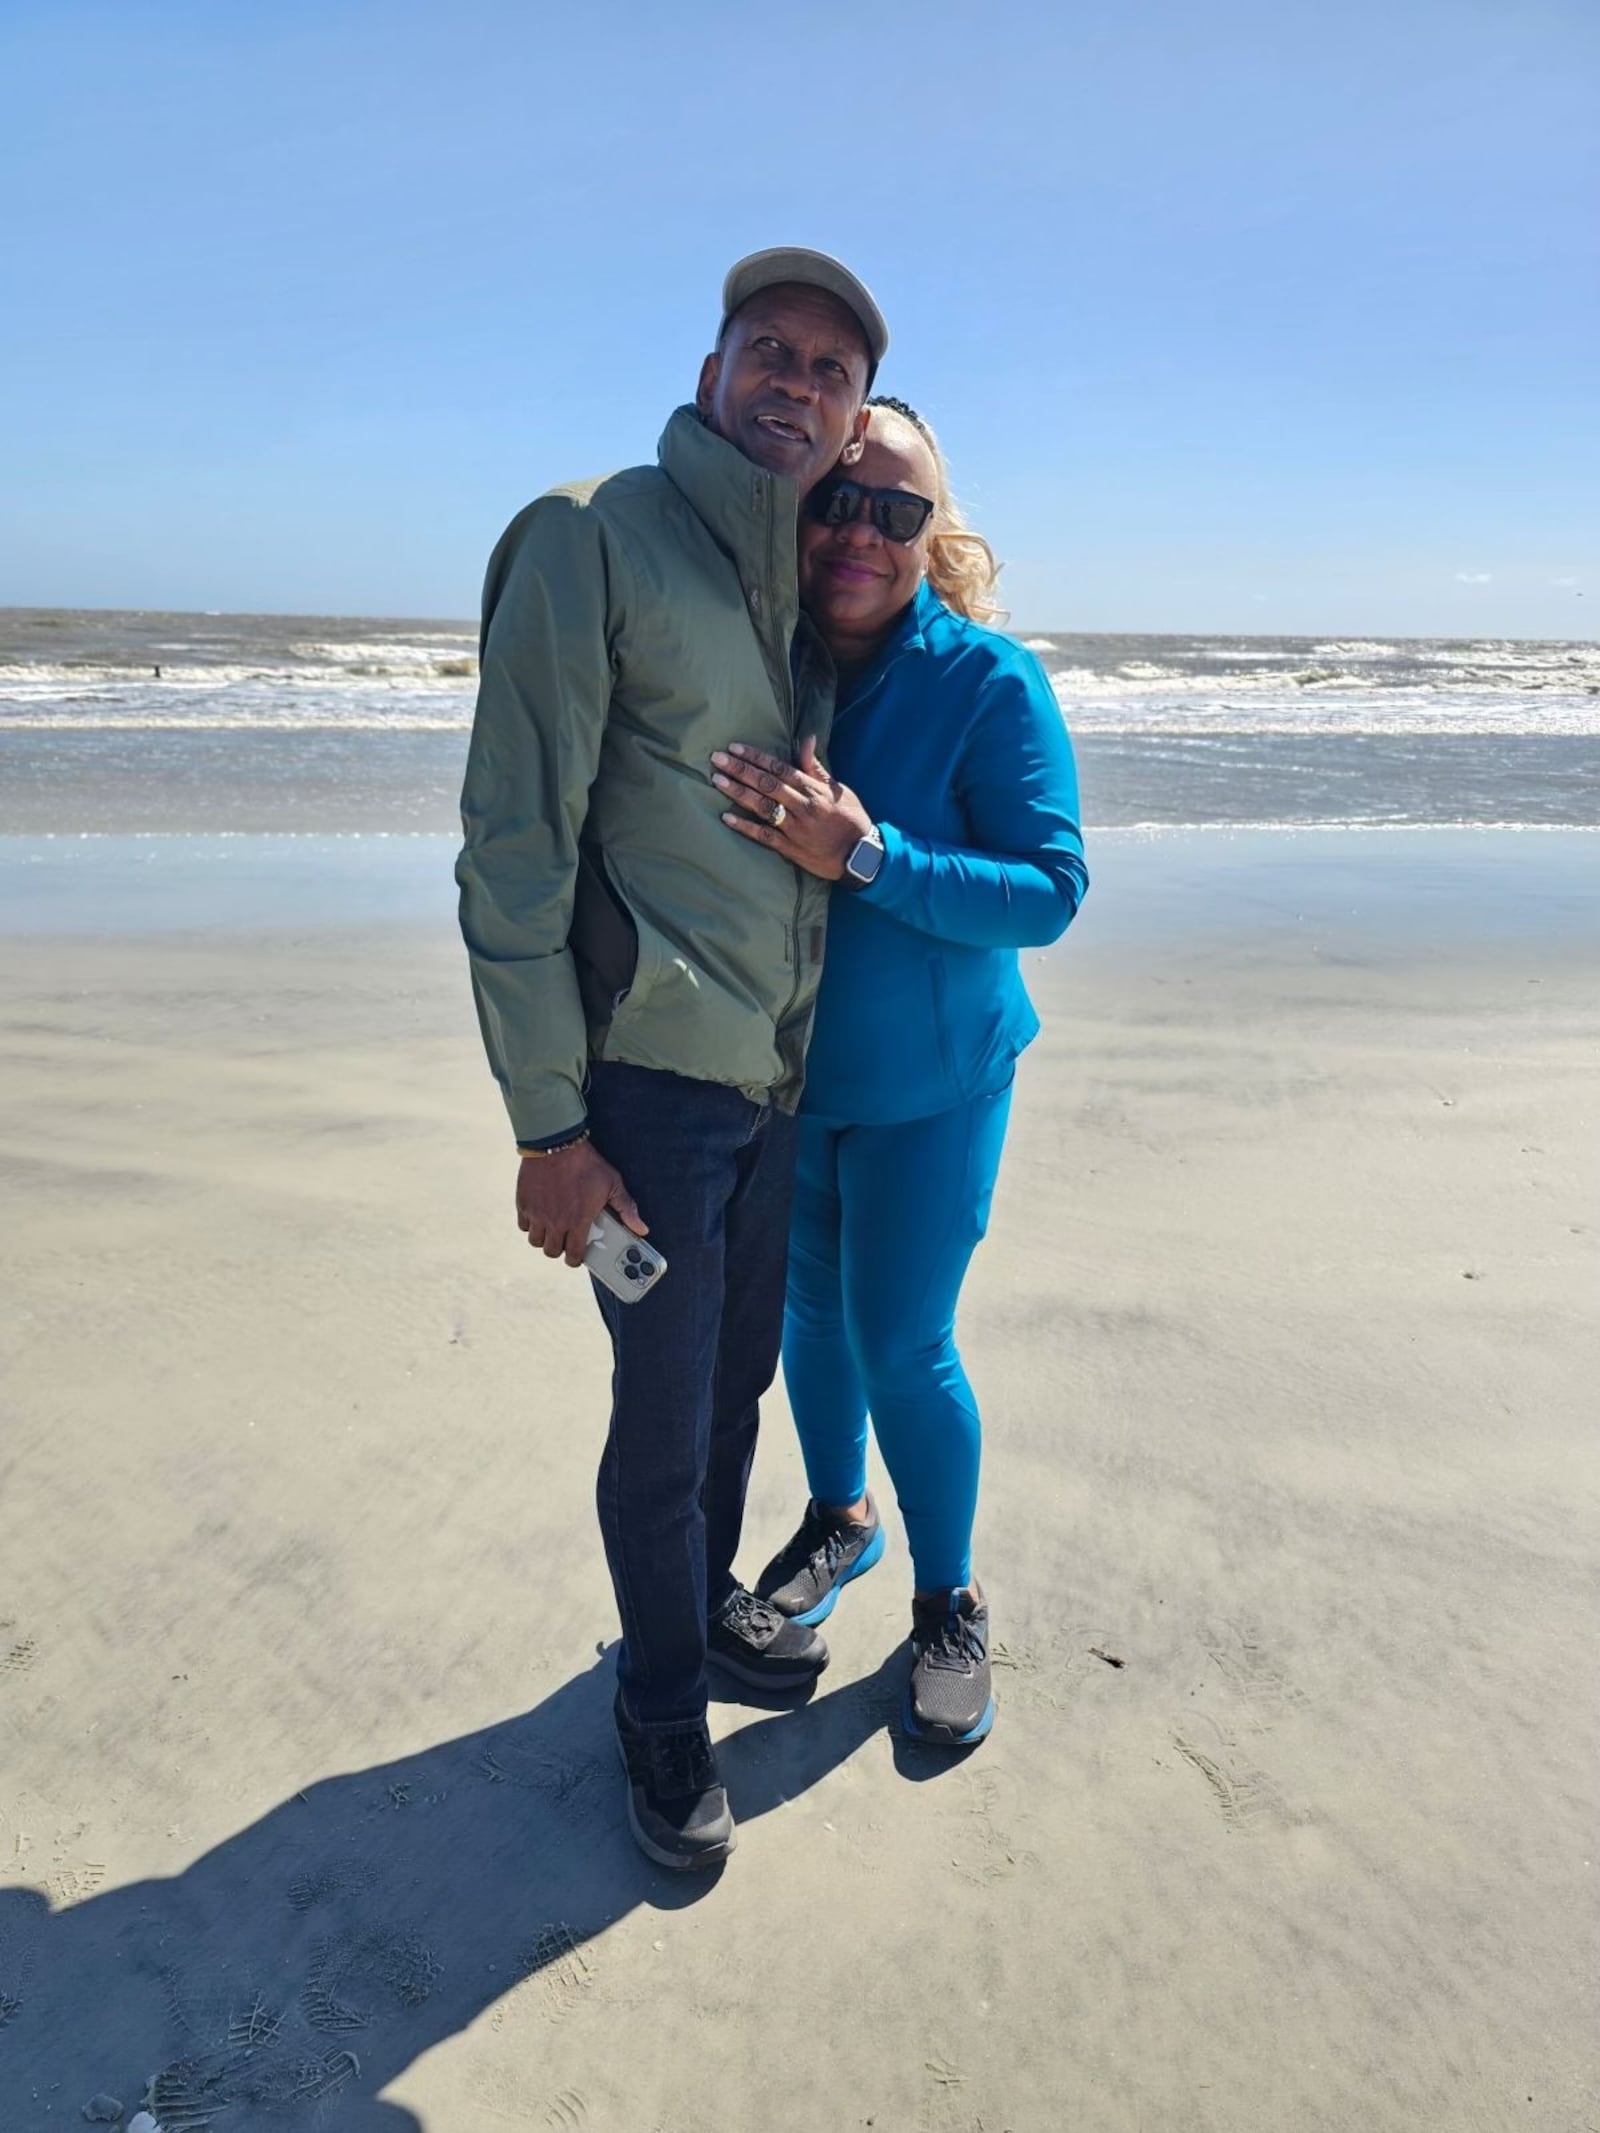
[[910, 632], [924, 609], [747, 511], [908, 635]]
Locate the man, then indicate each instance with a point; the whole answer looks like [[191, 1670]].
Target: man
[[645, 981]]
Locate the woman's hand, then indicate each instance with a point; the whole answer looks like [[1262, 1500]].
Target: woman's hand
[[819, 822]]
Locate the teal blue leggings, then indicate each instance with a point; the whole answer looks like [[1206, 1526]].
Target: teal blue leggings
[[886, 1219]]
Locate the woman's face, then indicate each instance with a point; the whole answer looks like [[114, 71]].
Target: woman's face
[[853, 580]]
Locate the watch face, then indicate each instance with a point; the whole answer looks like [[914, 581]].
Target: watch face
[[865, 860]]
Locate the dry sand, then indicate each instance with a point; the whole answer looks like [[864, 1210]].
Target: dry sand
[[1285, 1340]]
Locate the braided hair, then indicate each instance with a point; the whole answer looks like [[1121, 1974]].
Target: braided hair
[[899, 407], [961, 565]]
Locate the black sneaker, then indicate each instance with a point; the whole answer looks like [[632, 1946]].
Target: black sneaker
[[804, 1578], [677, 1809], [754, 1643], [949, 1701]]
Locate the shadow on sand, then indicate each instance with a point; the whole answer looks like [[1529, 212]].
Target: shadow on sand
[[300, 1967]]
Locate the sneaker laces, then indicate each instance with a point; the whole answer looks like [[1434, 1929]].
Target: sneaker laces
[[749, 1616], [950, 1642], [682, 1763], [833, 1536], [828, 1554]]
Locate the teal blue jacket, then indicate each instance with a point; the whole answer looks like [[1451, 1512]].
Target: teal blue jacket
[[955, 744]]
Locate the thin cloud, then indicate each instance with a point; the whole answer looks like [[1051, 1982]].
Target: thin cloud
[[1474, 577], [1566, 584]]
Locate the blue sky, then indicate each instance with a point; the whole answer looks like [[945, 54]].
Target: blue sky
[[1241, 316]]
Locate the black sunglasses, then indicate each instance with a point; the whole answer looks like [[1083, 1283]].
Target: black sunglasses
[[898, 514]]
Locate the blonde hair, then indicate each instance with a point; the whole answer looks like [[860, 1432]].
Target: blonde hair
[[961, 565]]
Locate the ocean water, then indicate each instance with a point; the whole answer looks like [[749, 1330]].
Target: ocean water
[[128, 723]]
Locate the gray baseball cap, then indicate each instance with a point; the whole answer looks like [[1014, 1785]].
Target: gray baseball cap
[[816, 270]]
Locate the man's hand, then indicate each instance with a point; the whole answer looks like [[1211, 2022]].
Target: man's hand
[[559, 1198], [819, 822]]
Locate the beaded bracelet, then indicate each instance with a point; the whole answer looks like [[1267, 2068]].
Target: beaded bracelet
[[535, 1155]]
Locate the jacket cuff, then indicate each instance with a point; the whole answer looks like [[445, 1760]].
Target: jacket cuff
[[552, 1141], [547, 1116]]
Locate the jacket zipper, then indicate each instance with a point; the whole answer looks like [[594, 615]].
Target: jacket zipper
[[790, 706], [867, 695]]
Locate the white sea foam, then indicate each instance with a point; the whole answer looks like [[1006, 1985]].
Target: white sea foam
[[381, 655], [1270, 655], [1559, 694], [346, 697], [1240, 719], [1356, 648]]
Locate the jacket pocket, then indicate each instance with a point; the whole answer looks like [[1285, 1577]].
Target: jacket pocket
[[652, 955], [604, 940]]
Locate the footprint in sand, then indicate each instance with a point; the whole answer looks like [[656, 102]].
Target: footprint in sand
[[221, 2018], [1245, 1796], [573, 1783], [503, 2094], [190, 2094], [1041, 1676], [254, 2024], [568, 2112], [71, 1877], [19, 1657], [242, 2057], [1241, 1658], [360, 1977], [319, 1884], [985, 1850], [555, 1965]]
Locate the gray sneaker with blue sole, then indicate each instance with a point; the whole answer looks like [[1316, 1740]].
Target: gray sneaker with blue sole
[[807, 1575], [950, 1696]]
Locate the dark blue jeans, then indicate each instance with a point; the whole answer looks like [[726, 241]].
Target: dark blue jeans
[[713, 1175]]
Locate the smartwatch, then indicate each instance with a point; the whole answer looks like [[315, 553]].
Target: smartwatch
[[863, 863]]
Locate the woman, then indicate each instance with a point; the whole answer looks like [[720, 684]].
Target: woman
[[949, 823]]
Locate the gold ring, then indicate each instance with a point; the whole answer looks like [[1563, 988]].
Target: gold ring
[[780, 815]]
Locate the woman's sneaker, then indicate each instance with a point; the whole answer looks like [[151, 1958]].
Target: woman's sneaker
[[677, 1809], [804, 1578], [949, 1699], [755, 1644]]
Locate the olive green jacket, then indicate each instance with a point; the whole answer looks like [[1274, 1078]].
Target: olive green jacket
[[630, 626]]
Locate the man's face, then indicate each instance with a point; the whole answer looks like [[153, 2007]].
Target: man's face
[[788, 382]]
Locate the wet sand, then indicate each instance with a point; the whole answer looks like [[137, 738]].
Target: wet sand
[[1284, 1335]]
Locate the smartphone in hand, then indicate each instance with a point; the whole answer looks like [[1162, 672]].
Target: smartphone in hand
[[626, 1264]]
